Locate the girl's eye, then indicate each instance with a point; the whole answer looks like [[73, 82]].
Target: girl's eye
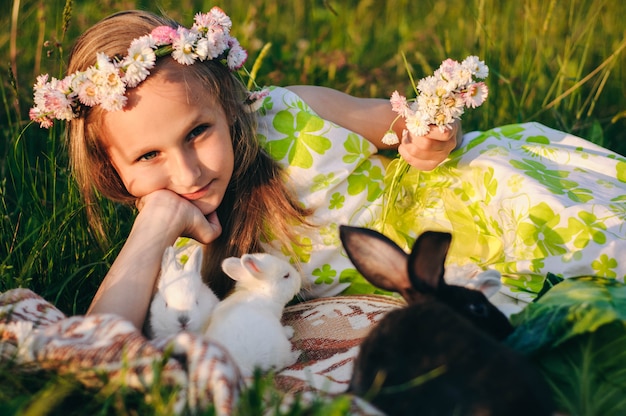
[[197, 131], [147, 156]]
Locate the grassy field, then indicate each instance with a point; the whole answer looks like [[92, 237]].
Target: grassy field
[[561, 63]]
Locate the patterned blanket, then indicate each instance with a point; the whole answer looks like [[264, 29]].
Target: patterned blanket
[[327, 332]]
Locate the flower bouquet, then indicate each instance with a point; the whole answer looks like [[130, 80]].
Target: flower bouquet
[[440, 100]]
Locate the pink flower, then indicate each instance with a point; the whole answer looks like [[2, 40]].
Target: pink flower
[[399, 104], [43, 120], [163, 35], [476, 94], [220, 18], [217, 42], [448, 69], [258, 95], [236, 56]]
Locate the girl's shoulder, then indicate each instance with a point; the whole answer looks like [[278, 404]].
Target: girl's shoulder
[[272, 100], [298, 138]]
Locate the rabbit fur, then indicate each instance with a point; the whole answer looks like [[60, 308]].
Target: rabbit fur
[[248, 322], [182, 302], [441, 354]]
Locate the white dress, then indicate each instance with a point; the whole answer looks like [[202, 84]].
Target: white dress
[[523, 200]]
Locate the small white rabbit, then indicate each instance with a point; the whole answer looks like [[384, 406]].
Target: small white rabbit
[[182, 302], [248, 322]]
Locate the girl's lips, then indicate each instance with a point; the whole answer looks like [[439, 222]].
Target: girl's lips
[[198, 194]]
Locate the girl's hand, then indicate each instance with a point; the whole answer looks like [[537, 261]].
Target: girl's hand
[[181, 217], [428, 152], [163, 217]]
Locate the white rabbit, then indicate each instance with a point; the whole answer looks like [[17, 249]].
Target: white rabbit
[[182, 302], [248, 322]]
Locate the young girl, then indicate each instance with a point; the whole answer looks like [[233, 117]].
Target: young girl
[[185, 150], [184, 144]]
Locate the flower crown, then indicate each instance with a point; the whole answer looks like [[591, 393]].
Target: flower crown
[[105, 83]]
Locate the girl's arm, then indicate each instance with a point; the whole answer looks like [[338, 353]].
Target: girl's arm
[[127, 288], [372, 117]]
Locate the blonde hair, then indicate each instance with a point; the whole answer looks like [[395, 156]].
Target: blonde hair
[[256, 195]]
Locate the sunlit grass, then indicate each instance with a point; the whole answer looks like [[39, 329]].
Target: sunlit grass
[[561, 63]]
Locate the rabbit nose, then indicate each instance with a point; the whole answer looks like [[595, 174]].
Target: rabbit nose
[[183, 320]]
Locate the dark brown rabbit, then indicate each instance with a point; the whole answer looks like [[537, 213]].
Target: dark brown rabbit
[[441, 355]]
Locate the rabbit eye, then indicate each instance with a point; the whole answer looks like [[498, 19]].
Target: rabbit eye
[[286, 276], [479, 309]]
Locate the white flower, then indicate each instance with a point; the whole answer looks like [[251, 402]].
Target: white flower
[[202, 49], [476, 66], [202, 21], [462, 77], [454, 104], [390, 138], [443, 117], [184, 51], [139, 61], [443, 96], [103, 63], [427, 85], [417, 125], [114, 102], [105, 82], [86, 90]]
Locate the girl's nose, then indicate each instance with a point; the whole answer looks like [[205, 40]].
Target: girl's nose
[[185, 169]]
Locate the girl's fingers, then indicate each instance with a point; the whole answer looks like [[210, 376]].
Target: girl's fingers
[[427, 152], [207, 228]]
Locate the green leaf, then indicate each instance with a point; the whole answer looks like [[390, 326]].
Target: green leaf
[[576, 333], [587, 374], [573, 307]]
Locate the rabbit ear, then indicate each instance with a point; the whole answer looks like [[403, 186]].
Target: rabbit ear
[[233, 268], [254, 264], [377, 258], [487, 282], [426, 261], [168, 254], [194, 262], [169, 261]]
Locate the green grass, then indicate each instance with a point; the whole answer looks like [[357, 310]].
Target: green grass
[[561, 63]]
